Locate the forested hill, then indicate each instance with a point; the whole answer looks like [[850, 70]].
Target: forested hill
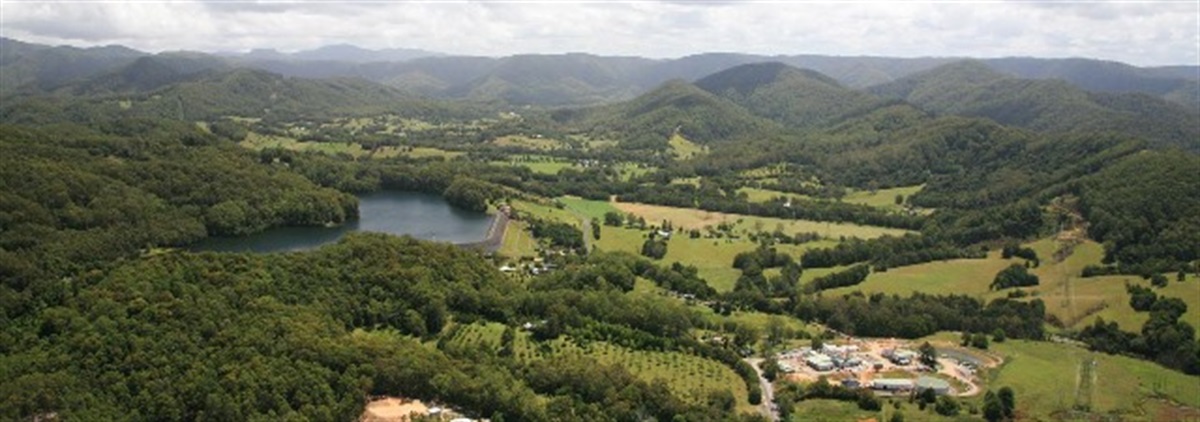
[[211, 94], [797, 98], [676, 106], [149, 73], [553, 80], [574, 79], [970, 88], [73, 198]]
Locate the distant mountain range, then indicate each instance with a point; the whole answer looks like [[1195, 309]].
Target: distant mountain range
[[551, 80]]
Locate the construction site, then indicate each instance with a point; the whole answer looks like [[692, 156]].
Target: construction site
[[889, 367]]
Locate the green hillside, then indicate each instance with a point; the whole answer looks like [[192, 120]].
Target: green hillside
[[972, 89], [794, 97], [679, 107]]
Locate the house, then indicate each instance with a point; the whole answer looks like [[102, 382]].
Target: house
[[900, 356], [819, 362], [892, 384], [939, 386]]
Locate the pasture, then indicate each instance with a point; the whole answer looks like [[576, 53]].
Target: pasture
[[882, 198], [517, 241], [712, 257], [959, 276], [690, 218], [537, 163], [536, 142], [1049, 378], [684, 149], [764, 195], [257, 141], [588, 207]]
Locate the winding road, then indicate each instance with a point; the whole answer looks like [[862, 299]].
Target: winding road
[[767, 407]]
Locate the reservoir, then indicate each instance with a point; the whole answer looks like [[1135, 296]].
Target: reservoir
[[419, 215]]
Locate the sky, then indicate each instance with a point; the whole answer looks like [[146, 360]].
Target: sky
[[1144, 33]]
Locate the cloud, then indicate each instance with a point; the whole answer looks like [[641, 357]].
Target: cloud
[[1153, 33]]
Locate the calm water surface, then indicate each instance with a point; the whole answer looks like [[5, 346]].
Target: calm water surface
[[419, 215]]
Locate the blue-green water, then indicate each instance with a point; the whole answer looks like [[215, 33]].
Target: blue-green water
[[419, 215]]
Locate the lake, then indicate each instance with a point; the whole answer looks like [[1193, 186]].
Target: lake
[[420, 215]]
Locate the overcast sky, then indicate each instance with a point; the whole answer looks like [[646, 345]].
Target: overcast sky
[[1141, 33]]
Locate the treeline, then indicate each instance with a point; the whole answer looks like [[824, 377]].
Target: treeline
[[888, 252], [919, 315], [852, 276], [1164, 338], [711, 198]]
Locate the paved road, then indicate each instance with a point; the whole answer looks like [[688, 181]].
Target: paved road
[[767, 408]]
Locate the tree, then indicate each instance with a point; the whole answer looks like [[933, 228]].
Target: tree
[[896, 417], [993, 410], [899, 199], [595, 229], [979, 341], [506, 341], [654, 248], [867, 401], [998, 335], [1158, 280], [946, 406], [1015, 275], [770, 368], [1008, 402], [613, 218], [928, 355]]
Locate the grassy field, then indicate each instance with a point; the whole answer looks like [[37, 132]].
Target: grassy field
[[537, 143], [882, 198], [689, 218], [1049, 378], [517, 241], [1078, 301], [1074, 300], [546, 211], [959, 276], [417, 152], [764, 195], [537, 163], [712, 257], [834, 410], [1110, 291], [587, 207], [256, 141], [685, 149]]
